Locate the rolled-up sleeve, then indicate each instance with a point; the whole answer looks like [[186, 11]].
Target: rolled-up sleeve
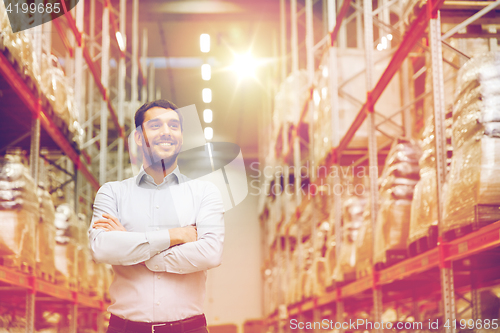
[[121, 247], [206, 252]]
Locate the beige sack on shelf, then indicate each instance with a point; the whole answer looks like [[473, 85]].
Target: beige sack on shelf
[[424, 205], [473, 180], [391, 231]]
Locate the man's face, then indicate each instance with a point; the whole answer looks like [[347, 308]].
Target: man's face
[[162, 134]]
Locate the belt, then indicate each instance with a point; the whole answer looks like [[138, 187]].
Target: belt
[[178, 326]]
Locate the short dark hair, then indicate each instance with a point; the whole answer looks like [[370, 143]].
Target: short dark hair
[[161, 103]]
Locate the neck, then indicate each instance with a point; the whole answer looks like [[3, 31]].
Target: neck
[[160, 170]]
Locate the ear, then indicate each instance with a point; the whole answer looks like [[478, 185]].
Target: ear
[[138, 137]]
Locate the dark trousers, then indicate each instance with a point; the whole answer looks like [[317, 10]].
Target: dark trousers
[[121, 330]]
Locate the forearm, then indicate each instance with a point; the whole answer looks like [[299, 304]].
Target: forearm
[[204, 254], [127, 248]]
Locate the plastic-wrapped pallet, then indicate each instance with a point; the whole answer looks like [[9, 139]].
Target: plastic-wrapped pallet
[[67, 242], [424, 210], [400, 175], [473, 195], [321, 278], [55, 87], [45, 237], [364, 245], [19, 214], [352, 213]]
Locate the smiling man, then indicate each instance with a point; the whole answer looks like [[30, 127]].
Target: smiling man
[[160, 230]]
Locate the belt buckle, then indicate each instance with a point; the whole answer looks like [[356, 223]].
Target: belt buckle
[[153, 327]]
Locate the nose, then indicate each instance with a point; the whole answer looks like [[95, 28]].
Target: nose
[[165, 129]]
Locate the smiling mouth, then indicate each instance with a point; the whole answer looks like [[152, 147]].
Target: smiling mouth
[[165, 144]]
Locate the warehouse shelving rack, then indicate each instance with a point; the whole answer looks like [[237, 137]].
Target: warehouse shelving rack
[[368, 291], [20, 103]]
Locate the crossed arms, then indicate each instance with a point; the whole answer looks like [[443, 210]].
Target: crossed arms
[[178, 250]]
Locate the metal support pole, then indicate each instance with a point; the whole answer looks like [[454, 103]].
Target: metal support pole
[[144, 93], [122, 72], [283, 40], [310, 74], [447, 285], [359, 27], [103, 154], [73, 322], [34, 148], [151, 82], [405, 94], [79, 64], [91, 84], [295, 37], [335, 140], [372, 141], [30, 311]]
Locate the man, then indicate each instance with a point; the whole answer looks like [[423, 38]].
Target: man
[[160, 230]]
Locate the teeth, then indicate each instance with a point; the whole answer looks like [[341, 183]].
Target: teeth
[[165, 144]]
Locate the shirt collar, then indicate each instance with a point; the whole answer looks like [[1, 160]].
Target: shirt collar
[[143, 173]]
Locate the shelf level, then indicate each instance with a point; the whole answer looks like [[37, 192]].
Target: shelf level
[[29, 282], [34, 106], [481, 240]]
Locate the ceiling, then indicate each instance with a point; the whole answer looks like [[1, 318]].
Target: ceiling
[[174, 29]]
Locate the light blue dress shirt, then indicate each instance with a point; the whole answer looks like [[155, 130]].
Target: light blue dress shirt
[[171, 286]]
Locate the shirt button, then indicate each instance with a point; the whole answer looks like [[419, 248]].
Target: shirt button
[[157, 303], [159, 277], [157, 207], [158, 188], [180, 270], [156, 266], [157, 229]]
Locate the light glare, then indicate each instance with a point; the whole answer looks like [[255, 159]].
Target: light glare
[[207, 95], [209, 133], [205, 43], [325, 71], [120, 40], [207, 116], [244, 65], [206, 72], [316, 97]]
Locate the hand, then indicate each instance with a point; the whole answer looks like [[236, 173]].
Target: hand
[[183, 235], [109, 223]]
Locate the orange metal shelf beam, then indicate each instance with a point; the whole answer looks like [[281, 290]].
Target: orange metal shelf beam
[[483, 239], [34, 105], [10, 276], [96, 72], [414, 33]]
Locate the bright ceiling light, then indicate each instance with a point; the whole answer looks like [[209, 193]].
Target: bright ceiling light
[[244, 65], [207, 116], [206, 72], [209, 133], [205, 43], [316, 97], [324, 92], [207, 95], [325, 71], [120, 40]]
